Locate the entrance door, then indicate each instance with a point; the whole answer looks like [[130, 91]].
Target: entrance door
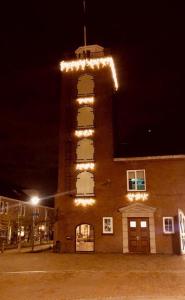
[[138, 235], [85, 238]]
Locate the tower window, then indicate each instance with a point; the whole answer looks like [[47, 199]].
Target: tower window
[[85, 184], [85, 85], [85, 117], [85, 150]]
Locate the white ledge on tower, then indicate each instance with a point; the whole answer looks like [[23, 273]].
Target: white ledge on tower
[[85, 166], [84, 133], [85, 100], [84, 201], [92, 61]]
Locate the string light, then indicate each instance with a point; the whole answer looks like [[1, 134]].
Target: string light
[[85, 166], [137, 196], [81, 64], [84, 201], [84, 133], [86, 100]]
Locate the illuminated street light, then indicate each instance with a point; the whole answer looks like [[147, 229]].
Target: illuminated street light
[[35, 200]]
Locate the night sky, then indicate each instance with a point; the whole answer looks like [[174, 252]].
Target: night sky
[[147, 41]]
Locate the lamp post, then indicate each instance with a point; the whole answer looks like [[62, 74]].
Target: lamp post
[[34, 201]]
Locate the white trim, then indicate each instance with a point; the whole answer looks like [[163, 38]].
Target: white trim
[[3, 198], [138, 210], [111, 225], [164, 230], [117, 159], [136, 190]]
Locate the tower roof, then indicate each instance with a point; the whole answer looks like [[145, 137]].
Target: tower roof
[[89, 51]]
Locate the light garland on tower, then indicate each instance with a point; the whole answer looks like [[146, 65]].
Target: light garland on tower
[[81, 64], [86, 100], [137, 196], [84, 201], [84, 133], [85, 166]]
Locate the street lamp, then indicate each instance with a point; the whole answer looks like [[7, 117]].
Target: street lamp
[[34, 201]]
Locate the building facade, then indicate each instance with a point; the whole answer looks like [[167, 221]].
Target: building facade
[[22, 224], [107, 204]]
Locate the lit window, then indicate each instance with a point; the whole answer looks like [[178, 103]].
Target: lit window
[[133, 224], [136, 180], [143, 224], [168, 225], [1, 207], [45, 214], [6, 207], [107, 225]]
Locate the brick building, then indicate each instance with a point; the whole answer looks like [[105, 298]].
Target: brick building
[[107, 203], [21, 223]]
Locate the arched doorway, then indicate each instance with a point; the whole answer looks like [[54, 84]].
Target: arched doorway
[[84, 238]]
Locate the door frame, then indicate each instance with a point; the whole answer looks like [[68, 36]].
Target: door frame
[[138, 231], [138, 210], [84, 251]]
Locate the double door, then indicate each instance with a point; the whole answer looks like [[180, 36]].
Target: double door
[[138, 235]]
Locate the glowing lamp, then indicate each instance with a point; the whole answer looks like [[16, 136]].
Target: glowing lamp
[[35, 200], [137, 196], [84, 133], [82, 64], [85, 166], [86, 100], [84, 201]]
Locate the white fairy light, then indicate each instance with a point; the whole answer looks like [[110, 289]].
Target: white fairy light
[[84, 133], [137, 196], [85, 166], [86, 100], [81, 64], [84, 201]]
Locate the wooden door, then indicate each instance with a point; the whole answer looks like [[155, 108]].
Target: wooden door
[[138, 235]]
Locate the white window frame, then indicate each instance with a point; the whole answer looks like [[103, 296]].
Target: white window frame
[[111, 225], [164, 230], [135, 171]]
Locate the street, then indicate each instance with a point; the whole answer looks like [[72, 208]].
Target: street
[[51, 276]]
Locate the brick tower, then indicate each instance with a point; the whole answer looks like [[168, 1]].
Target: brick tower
[[86, 151]]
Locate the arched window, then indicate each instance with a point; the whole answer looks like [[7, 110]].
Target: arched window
[[85, 85], [85, 117], [85, 150], [85, 184], [84, 238]]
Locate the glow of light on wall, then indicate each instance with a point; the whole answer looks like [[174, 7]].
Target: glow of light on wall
[[84, 133], [86, 100], [85, 166], [84, 201], [137, 196], [82, 64]]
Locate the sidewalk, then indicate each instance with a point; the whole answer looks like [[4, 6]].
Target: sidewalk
[[37, 248], [53, 276]]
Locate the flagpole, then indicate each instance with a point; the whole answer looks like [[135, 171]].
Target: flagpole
[[85, 30]]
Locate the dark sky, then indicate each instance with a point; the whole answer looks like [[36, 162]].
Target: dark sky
[[147, 40]]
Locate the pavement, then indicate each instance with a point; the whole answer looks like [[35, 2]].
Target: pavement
[[52, 276], [37, 248]]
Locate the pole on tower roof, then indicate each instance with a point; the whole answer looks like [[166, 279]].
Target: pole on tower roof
[[85, 30]]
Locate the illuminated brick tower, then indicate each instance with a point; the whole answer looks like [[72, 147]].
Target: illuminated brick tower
[[108, 204], [86, 150]]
